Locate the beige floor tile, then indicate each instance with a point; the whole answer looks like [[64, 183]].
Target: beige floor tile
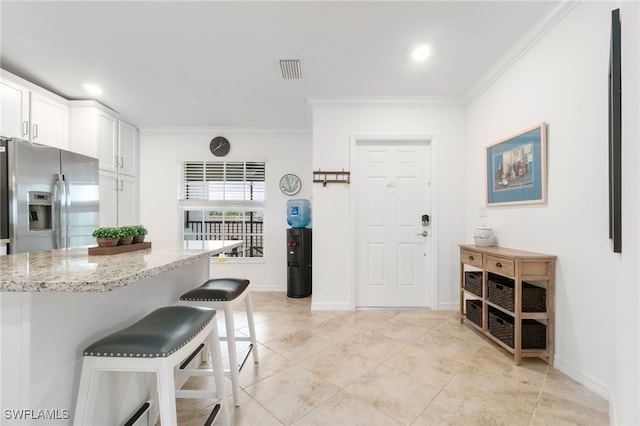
[[299, 346], [497, 360], [427, 319], [395, 394], [554, 410], [504, 397], [340, 365], [270, 363], [560, 384], [250, 413], [424, 366], [345, 410], [452, 346], [449, 409], [400, 330], [374, 345], [388, 366], [292, 393]]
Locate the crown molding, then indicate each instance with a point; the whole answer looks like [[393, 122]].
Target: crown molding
[[556, 12], [289, 131], [385, 102]]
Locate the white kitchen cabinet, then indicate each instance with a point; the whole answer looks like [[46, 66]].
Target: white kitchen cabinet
[[32, 113], [118, 199], [98, 131], [14, 120], [127, 148]]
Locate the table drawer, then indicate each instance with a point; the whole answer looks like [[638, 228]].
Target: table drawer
[[499, 265], [471, 258]]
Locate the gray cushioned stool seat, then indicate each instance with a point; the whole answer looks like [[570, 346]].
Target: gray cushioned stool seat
[[158, 334], [218, 290]]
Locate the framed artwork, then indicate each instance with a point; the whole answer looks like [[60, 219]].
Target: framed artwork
[[517, 168]]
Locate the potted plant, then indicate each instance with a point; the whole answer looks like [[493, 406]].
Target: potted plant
[[126, 235], [106, 236], [141, 231]]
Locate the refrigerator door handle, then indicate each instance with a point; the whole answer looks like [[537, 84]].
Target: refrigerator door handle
[[67, 209], [59, 231]]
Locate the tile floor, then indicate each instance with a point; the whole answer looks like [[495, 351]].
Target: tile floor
[[389, 367]]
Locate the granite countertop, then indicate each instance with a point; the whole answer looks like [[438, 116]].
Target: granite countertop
[[73, 270]]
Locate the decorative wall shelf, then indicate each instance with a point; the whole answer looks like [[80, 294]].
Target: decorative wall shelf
[[326, 176]]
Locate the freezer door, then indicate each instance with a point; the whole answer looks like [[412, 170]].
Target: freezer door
[[80, 206], [33, 197]]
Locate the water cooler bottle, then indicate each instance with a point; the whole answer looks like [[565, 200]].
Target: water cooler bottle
[[298, 249]]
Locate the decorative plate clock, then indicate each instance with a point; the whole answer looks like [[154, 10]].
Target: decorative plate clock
[[219, 146], [290, 184]]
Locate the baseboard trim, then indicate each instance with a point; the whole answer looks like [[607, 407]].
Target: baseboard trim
[[331, 306], [448, 306], [586, 380]]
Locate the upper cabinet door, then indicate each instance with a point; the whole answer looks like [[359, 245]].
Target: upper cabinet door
[[14, 119], [49, 121], [128, 148], [107, 134]]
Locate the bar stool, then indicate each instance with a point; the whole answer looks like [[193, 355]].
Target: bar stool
[[157, 343], [225, 293]]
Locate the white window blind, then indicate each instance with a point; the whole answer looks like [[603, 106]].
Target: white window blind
[[222, 200]]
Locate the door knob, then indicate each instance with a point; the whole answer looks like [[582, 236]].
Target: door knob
[[423, 234]]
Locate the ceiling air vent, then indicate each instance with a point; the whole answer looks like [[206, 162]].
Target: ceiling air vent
[[290, 69]]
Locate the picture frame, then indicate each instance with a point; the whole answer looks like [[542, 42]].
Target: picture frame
[[517, 168]]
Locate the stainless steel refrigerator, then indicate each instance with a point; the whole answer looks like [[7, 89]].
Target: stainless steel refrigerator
[[49, 198]]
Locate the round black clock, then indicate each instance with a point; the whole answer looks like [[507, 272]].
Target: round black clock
[[219, 146]]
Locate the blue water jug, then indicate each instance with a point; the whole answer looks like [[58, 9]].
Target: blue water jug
[[298, 213]]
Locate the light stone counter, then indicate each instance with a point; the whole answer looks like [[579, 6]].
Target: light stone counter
[[73, 270], [55, 303]]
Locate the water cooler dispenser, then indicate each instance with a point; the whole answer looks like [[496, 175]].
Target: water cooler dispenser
[[298, 248]]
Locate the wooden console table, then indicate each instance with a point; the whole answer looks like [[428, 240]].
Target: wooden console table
[[501, 271]]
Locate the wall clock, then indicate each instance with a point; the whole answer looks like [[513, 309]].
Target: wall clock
[[219, 146], [290, 184]]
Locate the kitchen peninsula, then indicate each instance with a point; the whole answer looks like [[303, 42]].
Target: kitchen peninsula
[[56, 302]]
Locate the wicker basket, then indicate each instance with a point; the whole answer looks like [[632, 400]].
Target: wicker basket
[[534, 333], [473, 282], [501, 291], [474, 311]]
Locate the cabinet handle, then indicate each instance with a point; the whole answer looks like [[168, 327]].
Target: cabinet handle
[[35, 131], [498, 265], [121, 185], [121, 162], [470, 257], [115, 184], [115, 157], [25, 128]]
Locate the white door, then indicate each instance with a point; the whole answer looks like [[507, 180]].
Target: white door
[[392, 195]]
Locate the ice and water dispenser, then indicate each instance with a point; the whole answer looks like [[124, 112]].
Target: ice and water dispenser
[[40, 211], [298, 248]]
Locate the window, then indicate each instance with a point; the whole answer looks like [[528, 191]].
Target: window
[[223, 200]]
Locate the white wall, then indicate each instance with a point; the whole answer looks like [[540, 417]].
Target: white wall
[[333, 128], [562, 80], [283, 152]]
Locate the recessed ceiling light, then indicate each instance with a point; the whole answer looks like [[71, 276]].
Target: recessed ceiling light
[[421, 53], [92, 88]]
